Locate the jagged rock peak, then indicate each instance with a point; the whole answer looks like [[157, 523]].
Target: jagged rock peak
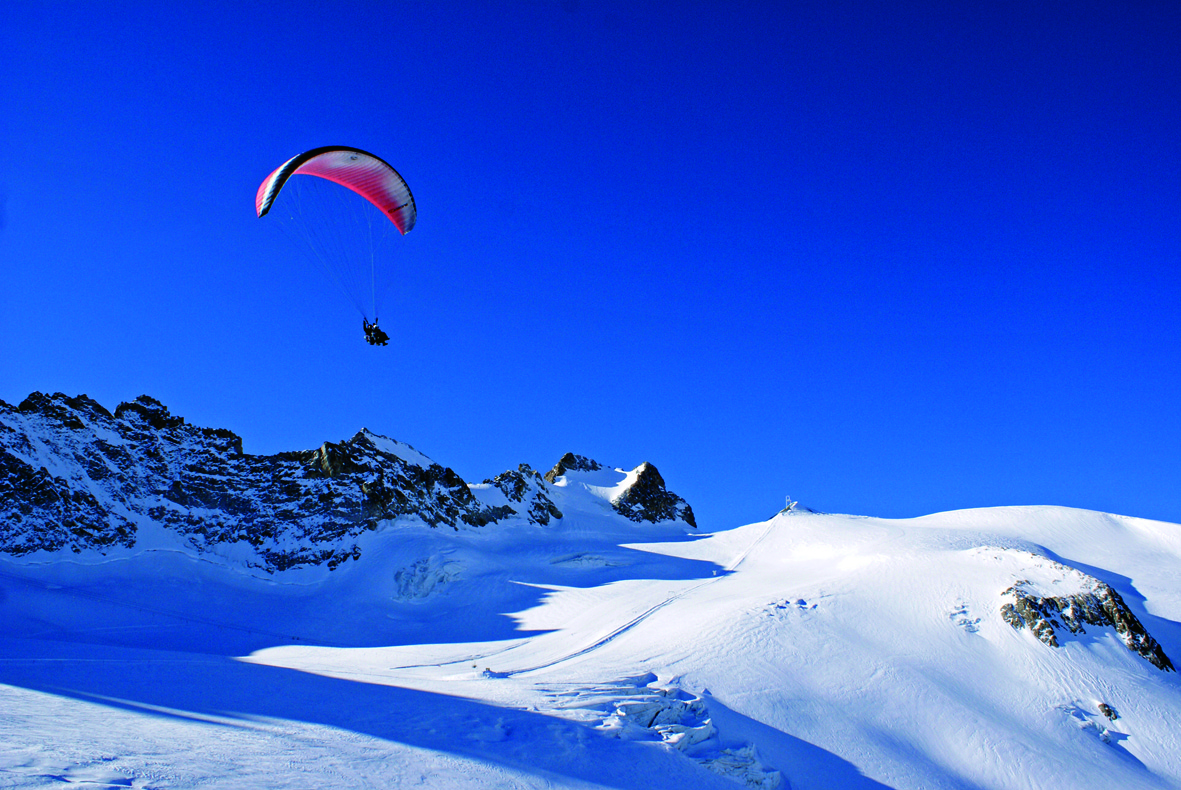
[[112, 474], [572, 463], [641, 494], [525, 486], [62, 407], [74, 476], [647, 499], [514, 484], [1097, 604], [151, 411], [332, 460]]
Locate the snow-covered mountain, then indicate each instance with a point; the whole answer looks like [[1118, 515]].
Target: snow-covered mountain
[[177, 613], [74, 476]]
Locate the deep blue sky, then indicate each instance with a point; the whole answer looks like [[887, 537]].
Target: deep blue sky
[[887, 258]]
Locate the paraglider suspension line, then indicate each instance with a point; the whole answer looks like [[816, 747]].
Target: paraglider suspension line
[[372, 268]]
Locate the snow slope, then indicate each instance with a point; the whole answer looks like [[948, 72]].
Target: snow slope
[[807, 651]]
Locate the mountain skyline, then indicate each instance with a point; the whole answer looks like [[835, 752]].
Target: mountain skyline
[[898, 260]]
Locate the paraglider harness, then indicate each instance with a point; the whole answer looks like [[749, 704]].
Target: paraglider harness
[[374, 336]]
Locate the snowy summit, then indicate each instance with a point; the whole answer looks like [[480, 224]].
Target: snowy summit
[[176, 613]]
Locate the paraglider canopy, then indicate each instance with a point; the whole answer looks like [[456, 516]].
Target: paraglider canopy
[[344, 218], [369, 176]]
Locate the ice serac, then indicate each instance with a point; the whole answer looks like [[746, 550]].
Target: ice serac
[[647, 499], [75, 477], [1095, 604]]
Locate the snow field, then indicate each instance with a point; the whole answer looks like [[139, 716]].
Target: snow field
[[808, 651]]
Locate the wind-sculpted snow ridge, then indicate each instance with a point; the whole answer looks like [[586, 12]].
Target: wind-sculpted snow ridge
[[1095, 603], [75, 477]]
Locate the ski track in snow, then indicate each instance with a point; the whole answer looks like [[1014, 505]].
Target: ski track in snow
[[619, 631], [646, 614]]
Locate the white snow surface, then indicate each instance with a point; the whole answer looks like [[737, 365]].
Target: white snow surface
[[602, 484], [806, 651], [398, 449]]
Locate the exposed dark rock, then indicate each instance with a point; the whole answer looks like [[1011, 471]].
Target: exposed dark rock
[[528, 488], [40, 509], [1099, 605], [647, 499], [151, 410], [112, 473], [514, 485], [1108, 711], [487, 516], [74, 476], [572, 463], [331, 460]]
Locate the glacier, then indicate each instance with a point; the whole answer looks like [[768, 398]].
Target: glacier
[[176, 613]]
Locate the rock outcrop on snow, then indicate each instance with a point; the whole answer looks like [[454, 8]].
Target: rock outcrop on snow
[[525, 486], [75, 477], [572, 463], [112, 473], [647, 499], [1097, 604], [638, 495]]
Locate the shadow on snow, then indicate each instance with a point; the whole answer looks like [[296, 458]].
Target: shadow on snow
[[192, 688]]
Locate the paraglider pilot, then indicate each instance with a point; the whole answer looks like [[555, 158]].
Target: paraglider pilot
[[374, 336]]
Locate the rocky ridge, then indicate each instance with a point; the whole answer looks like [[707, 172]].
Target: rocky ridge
[[527, 487], [75, 477], [572, 463], [646, 499], [1096, 605]]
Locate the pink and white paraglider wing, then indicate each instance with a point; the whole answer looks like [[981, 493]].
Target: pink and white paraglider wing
[[362, 172]]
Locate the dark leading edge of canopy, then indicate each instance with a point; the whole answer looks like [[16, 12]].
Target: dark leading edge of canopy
[[295, 163]]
